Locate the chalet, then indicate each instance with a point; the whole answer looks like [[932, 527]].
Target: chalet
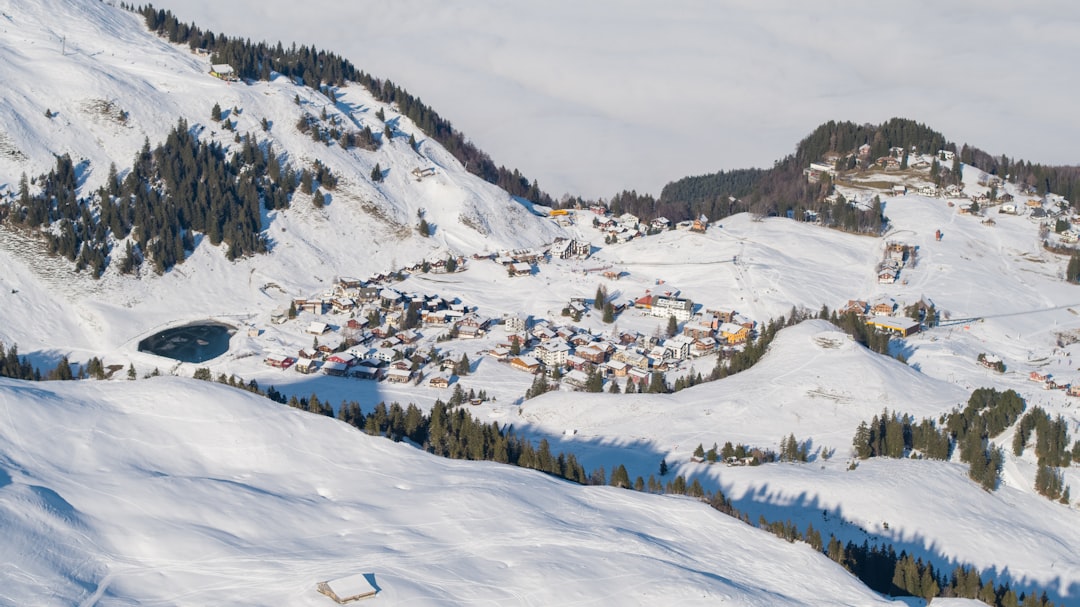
[[401, 365], [678, 347], [887, 276], [593, 354], [399, 376], [318, 328], [1008, 208], [439, 381], [665, 306], [617, 368], [899, 190], [367, 294], [579, 363], [279, 317], [343, 304], [345, 358], [385, 355], [700, 224], [629, 220], [553, 352], [991, 362], [279, 361], [306, 366], [388, 298], [565, 249], [577, 379], [884, 308], [734, 334], [631, 358], [855, 306], [660, 223], [499, 353], [542, 332], [1035, 376], [409, 336], [900, 326], [697, 330], [347, 589], [520, 269], [335, 369], [638, 376], [643, 303], [929, 190], [356, 324], [347, 282], [1073, 390], [525, 363], [223, 71], [703, 346]]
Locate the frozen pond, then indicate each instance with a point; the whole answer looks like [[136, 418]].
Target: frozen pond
[[191, 343]]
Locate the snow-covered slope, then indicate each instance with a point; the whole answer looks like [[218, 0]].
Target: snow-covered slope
[[111, 85], [173, 491]]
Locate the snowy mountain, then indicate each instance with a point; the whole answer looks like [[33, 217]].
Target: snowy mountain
[[170, 490], [109, 85]]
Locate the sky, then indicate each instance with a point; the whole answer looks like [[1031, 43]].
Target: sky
[[591, 98]]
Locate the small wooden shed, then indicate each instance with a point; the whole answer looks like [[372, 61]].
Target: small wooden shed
[[348, 589]]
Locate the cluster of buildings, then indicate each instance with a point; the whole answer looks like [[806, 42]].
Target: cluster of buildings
[[897, 255], [1049, 383], [576, 353], [379, 339], [881, 315]]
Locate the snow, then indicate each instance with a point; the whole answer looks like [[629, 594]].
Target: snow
[[172, 490], [169, 490]]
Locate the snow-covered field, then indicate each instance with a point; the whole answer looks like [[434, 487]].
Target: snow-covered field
[[177, 492], [170, 491]]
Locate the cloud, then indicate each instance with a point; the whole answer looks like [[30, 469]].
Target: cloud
[[592, 98]]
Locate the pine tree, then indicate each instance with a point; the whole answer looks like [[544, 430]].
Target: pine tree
[[672, 326], [376, 173], [699, 452], [215, 113], [131, 371], [609, 313], [663, 467], [600, 298]]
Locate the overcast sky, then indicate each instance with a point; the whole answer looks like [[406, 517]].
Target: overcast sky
[[593, 97]]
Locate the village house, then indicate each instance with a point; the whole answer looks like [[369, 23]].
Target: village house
[[399, 376], [631, 358], [520, 269], [592, 354], [279, 361], [884, 308], [576, 379], [616, 368], [697, 330], [703, 346], [525, 363], [306, 366], [854, 306], [638, 376], [552, 352], [678, 347], [734, 334], [700, 224], [665, 306], [439, 381], [900, 326], [224, 71], [317, 328]]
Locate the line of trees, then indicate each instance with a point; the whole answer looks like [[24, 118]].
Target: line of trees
[[987, 414], [314, 67]]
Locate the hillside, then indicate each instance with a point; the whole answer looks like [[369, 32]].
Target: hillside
[[115, 489], [184, 492], [107, 83]]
